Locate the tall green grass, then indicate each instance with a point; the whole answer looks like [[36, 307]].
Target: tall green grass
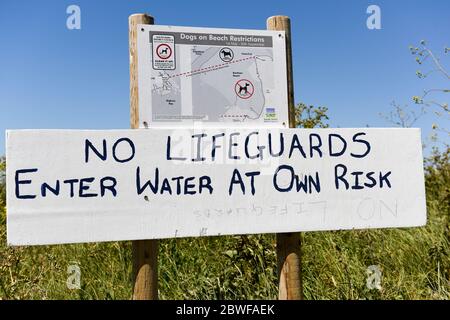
[[415, 264]]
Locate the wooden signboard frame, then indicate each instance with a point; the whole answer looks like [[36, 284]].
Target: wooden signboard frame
[[145, 252]]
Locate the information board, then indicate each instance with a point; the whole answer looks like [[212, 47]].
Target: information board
[[209, 77], [66, 186]]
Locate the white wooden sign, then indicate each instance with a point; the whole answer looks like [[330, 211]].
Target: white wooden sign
[[68, 186], [210, 75]]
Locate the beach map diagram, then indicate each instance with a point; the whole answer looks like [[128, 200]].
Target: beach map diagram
[[213, 78]]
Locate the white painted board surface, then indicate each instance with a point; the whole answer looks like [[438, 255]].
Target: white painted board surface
[[298, 185], [215, 76]]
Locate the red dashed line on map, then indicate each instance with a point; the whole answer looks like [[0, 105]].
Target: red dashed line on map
[[210, 68]]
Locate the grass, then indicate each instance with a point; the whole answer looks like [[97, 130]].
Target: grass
[[415, 264]]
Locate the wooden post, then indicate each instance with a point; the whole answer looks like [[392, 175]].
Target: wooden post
[[145, 252], [288, 244]]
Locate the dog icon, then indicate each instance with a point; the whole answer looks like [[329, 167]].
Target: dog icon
[[164, 51], [244, 89], [226, 54]]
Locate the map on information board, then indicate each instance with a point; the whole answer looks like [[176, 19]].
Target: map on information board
[[212, 76]]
